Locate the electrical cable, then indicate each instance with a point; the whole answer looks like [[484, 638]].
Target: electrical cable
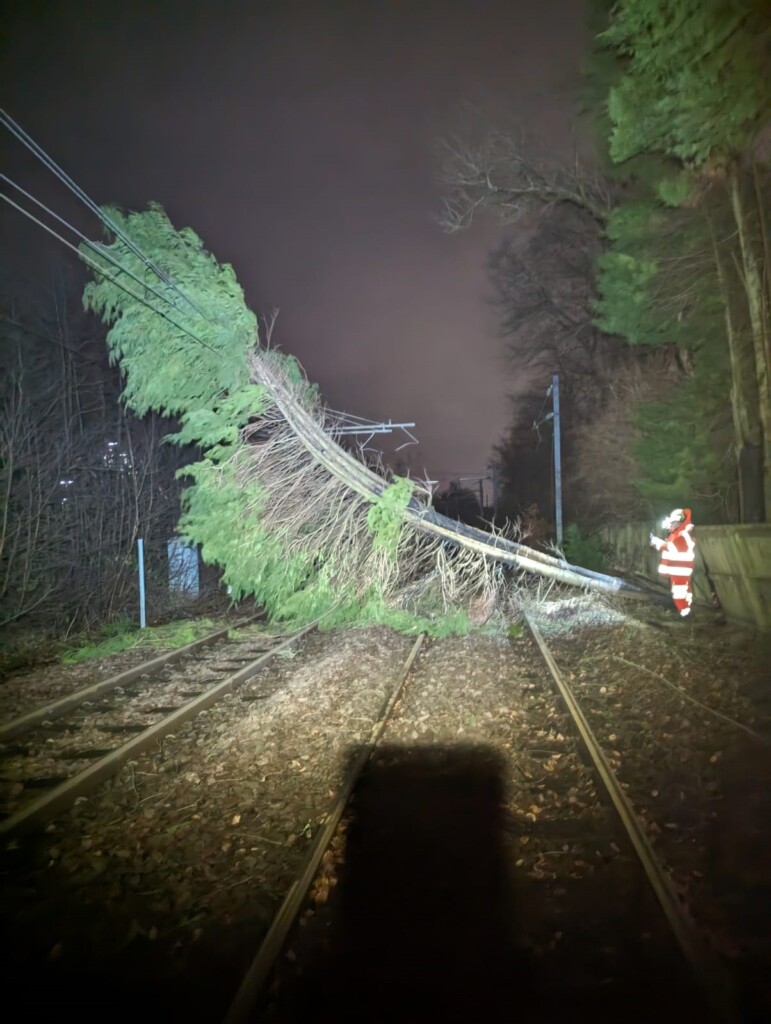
[[104, 273], [93, 245], [15, 129], [426, 516], [540, 418]]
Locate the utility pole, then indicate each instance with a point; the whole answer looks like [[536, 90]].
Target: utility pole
[[555, 396], [493, 467], [554, 416], [481, 485]]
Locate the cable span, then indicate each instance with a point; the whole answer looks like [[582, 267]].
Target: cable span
[[26, 140], [111, 277]]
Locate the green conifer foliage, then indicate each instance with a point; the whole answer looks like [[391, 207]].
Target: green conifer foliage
[[386, 517], [694, 80], [657, 283], [695, 92], [165, 368], [188, 358], [192, 358], [685, 441], [292, 517]]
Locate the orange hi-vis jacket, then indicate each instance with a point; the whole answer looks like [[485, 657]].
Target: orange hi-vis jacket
[[678, 554]]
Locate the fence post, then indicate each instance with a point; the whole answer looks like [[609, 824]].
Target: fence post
[[141, 558]]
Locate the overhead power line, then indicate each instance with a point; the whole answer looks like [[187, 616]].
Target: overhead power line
[[342, 466], [111, 277], [354, 425], [16, 130], [97, 248]]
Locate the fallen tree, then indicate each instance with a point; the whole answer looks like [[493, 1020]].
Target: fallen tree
[[293, 518]]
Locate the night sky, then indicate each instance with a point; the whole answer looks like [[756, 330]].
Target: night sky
[[299, 141]]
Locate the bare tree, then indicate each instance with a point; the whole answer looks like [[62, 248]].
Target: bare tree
[[543, 278], [505, 173], [80, 479], [544, 287]]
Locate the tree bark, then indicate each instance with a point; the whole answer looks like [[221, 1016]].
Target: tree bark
[[743, 396], [752, 280]]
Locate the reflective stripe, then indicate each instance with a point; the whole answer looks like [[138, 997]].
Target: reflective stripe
[[680, 590], [675, 570], [678, 556]]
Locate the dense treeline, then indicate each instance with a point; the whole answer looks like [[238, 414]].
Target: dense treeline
[[645, 280], [688, 262]]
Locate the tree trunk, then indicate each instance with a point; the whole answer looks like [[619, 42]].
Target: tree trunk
[[752, 280], [765, 249], [744, 399], [369, 485]]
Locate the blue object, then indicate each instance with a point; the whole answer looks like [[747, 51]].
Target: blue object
[[183, 569], [142, 608]]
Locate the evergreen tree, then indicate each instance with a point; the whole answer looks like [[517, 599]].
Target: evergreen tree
[[694, 83], [694, 92], [658, 289], [293, 518], [187, 358]]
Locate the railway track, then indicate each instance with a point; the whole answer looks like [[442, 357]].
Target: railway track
[[521, 800], [55, 754], [696, 984]]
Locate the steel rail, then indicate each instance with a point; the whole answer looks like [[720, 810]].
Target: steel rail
[[63, 796], [242, 1008], [24, 723], [708, 970]]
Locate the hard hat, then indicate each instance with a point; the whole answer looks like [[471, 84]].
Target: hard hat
[[676, 516]]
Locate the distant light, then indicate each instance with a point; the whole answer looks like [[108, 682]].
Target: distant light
[[112, 444]]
